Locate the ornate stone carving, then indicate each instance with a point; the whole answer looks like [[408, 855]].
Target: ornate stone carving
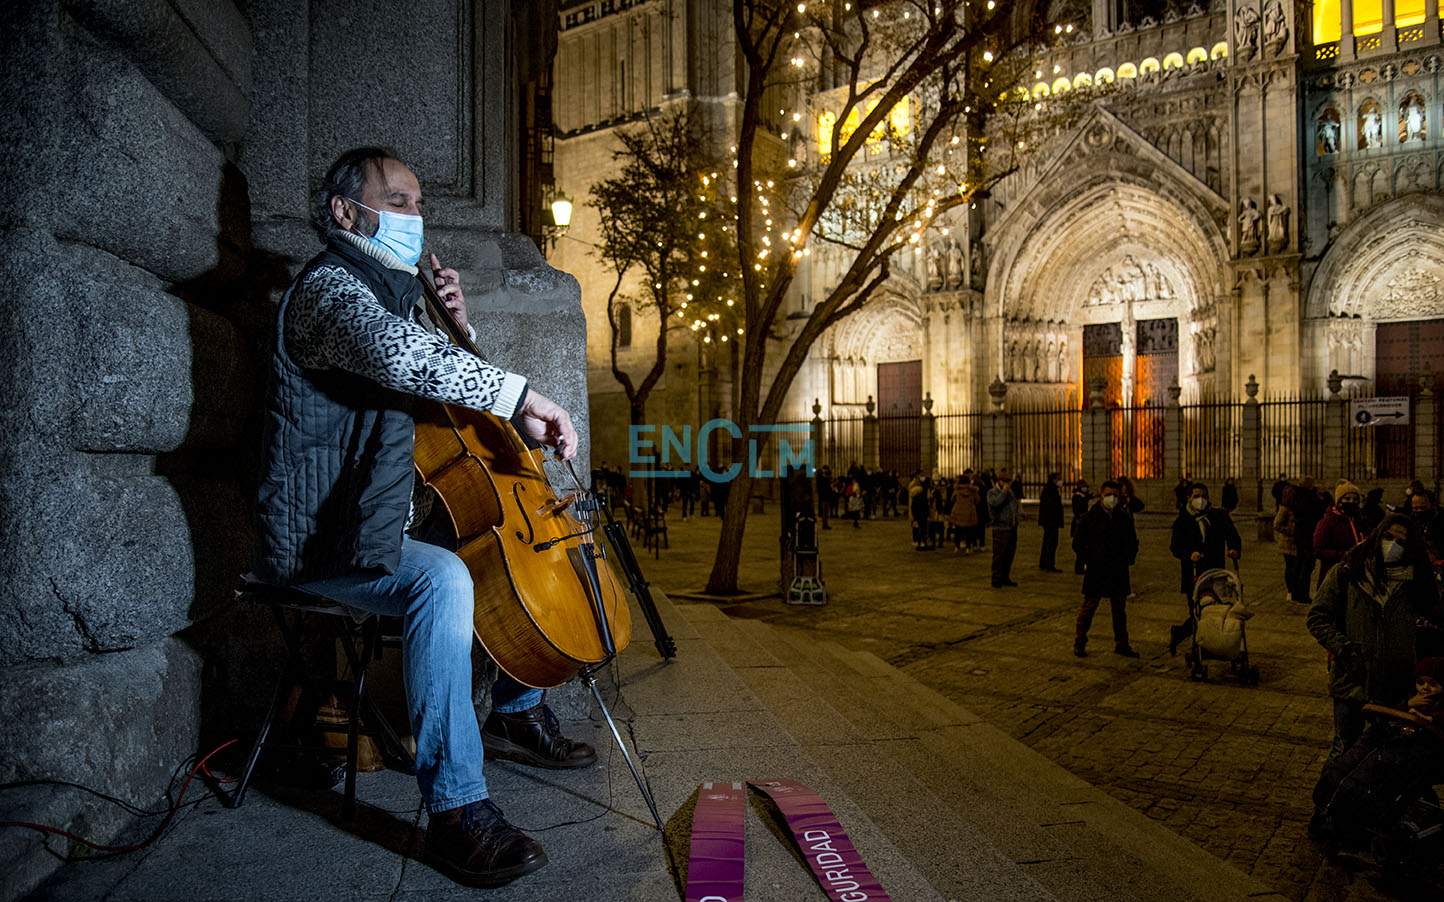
[[1248, 228], [956, 270], [1245, 33], [1275, 27], [1129, 281], [1278, 224], [935, 265], [1413, 294]]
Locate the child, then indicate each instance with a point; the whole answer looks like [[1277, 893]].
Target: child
[[1398, 758]]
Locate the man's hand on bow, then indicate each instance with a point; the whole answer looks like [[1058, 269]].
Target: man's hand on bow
[[546, 422]]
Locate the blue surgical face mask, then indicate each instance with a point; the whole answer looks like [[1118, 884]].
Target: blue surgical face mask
[[399, 233]]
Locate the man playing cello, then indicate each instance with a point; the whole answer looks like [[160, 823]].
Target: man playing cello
[[335, 495]]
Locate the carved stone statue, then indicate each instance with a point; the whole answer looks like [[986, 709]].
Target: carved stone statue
[[1412, 119], [1063, 359], [1371, 130], [935, 267], [1245, 33], [1328, 134], [955, 265], [1248, 237], [977, 267], [1275, 28], [1278, 224]]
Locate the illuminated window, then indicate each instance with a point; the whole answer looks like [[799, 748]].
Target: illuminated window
[[826, 122], [1197, 55], [1219, 51], [1408, 12], [1147, 66], [1040, 90], [1103, 76], [900, 120], [1173, 61], [1368, 16], [1082, 80], [1061, 85], [1327, 19], [1127, 70]]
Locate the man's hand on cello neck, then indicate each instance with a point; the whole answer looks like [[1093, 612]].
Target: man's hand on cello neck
[[448, 288]]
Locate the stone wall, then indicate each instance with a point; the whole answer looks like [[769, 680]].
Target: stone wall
[[161, 154]]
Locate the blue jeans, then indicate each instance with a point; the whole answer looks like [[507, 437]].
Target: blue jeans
[[431, 591]]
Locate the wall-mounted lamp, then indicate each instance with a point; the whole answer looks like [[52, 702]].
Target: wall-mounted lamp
[[556, 217]]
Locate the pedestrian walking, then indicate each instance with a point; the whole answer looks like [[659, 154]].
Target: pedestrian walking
[[1050, 517], [1341, 528], [1003, 514], [1230, 495], [964, 515], [1366, 616], [1203, 538], [1106, 541], [1285, 537], [1081, 499]]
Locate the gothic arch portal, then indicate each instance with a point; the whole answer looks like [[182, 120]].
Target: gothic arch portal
[[1114, 237], [1385, 266], [888, 329]]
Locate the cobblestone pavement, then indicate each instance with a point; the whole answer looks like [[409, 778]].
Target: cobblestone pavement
[[1231, 768]]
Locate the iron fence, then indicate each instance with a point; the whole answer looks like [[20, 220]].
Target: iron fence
[[1136, 441], [1291, 436], [960, 442], [1044, 441], [1212, 439]]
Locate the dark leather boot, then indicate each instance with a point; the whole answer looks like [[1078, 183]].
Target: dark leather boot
[[475, 846], [533, 737]]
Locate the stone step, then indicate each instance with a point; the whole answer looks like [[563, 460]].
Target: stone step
[[958, 859], [1074, 839], [693, 719]]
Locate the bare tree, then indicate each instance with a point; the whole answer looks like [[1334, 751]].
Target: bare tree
[[922, 111]]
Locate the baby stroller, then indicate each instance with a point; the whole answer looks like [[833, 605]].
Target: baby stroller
[[1379, 794], [1217, 611]]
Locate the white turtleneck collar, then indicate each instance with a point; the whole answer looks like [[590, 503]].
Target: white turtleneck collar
[[375, 252]]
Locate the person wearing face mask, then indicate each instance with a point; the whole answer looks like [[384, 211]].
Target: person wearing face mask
[[1203, 538], [1050, 517], [1107, 543], [1341, 528], [335, 500], [1366, 615], [1426, 514]]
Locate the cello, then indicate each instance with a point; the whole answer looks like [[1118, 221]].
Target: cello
[[544, 608]]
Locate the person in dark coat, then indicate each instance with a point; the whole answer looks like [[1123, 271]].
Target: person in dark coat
[[1003, 514], [1081, 499], [1050, 517], [1308, 508], [1373, 509], [1107, 543], [1278, 489], [1426, 514], [1230, 495], [1367, 615], [1203, 538], [1180, 492]]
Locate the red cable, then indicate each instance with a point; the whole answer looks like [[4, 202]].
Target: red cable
[[150, 839]]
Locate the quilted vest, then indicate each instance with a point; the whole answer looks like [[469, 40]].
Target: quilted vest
[[336, 476]]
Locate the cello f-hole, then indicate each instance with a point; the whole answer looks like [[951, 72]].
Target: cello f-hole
[[516, 489]]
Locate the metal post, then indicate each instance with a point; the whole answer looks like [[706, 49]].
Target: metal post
[[928, 437]]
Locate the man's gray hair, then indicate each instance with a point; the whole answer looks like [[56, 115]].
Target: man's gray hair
[[346, 178]]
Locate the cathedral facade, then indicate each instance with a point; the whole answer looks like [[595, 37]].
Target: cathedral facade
[[1254, 192]]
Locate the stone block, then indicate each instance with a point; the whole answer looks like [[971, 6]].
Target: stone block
[[100, 358], [98, 154], [278, 131], [196, 52], [119, 723]]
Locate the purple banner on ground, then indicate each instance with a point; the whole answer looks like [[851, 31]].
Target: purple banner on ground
[[834, 862], [719, 829]]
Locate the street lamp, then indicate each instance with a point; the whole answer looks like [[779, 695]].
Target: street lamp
[[556, 216]]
